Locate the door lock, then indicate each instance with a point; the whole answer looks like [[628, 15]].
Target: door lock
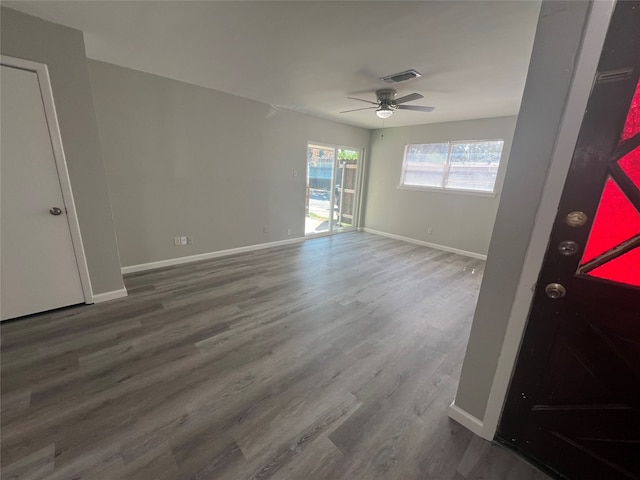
[[576, 219], [55, 211], [568, 248]]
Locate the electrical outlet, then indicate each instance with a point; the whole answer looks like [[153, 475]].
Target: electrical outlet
[[295, 172], [429, 230], [189, 240], [265, 229], [183, 240], [289, 231], [176, 241]]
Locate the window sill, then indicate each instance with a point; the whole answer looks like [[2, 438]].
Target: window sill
[[474, 193]]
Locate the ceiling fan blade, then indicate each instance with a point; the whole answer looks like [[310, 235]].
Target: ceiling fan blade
[[361, 100], [358, 109], [408, 98], [417, 108]]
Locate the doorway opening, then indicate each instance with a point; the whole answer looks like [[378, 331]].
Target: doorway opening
[[332, 196]]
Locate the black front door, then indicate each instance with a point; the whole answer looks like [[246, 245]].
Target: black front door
[[574, 400]]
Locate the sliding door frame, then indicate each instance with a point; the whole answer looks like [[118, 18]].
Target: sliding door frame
[[359, 182]]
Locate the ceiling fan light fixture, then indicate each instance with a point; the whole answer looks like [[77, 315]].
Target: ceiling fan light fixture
[[384, 111]]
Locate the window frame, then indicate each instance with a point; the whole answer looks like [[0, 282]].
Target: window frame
[[444, 188]]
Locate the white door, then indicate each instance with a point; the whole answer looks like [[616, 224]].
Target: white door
[[39, 268]]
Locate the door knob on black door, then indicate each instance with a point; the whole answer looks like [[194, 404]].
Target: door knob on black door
[[555, 291], [55, 211]]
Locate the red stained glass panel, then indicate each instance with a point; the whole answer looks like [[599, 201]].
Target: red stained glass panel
[[623, 269], [630, 164], [632, 124], [616, 221]]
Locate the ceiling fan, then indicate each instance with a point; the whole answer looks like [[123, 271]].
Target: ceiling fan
[[388, 103]]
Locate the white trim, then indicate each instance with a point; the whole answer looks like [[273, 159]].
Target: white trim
[[457, 191], [586, 68], [426, 244], [46, 92], [467, 420], [106, 296], [361, 188], [206, 256], [326, 233]]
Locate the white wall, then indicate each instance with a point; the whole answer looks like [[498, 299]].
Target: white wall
[[558, 40], [460, 221], [62, 50], [187, 160]]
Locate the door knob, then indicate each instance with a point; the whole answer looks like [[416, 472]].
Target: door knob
[[555, 291], [55, 211]]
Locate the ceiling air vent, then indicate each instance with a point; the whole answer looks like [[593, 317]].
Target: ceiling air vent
[[401, 77]]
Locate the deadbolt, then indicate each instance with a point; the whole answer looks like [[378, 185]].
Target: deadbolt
[[568, 248], [555, 291], [576, 219], [55, 211]]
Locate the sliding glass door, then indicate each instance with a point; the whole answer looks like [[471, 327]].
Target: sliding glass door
[[333, 178]]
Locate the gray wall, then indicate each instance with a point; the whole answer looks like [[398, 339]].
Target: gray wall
[[62, 49], [557, 41], [186, 160], [458, 220]]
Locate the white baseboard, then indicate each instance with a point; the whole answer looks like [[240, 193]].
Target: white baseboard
[[206, 256], [426, 244], [106, 296], [466, 420]]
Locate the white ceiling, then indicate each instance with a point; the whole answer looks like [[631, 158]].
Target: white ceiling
[[311, 55]]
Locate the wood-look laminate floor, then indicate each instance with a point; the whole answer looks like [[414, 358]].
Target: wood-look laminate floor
[[331, 359]]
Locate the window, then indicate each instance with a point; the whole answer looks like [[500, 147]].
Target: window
[[468, 166]]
